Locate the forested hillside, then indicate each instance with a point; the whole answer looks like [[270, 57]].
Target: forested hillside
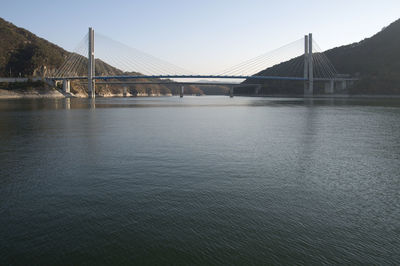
[[375, 61], [24, 54]]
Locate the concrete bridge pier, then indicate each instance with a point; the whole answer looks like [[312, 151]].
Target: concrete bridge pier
[[125, 92], [182, 91], [231, 91], [66, 86], [92, 103], [330, 87]]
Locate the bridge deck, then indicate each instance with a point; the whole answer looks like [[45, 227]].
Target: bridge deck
[[181, 77], [170, 83], [105, 78]]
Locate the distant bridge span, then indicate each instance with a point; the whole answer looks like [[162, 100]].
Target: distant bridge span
[[317, 67], [180, 77], [307, 76]]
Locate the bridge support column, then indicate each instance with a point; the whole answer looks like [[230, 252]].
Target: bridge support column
[[231, 91], [257, 90], [329, 86], [66, 86], [125, 92], [306, 64], [182, 91], [92, 104], [310, 90], [91, 64]]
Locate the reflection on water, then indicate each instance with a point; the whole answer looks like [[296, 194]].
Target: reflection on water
[[199, 180], [67, 103]]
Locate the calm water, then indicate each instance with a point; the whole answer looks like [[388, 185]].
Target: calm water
[[199, 180]]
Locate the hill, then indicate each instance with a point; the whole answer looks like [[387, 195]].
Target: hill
[[23, 54], [375, 61]]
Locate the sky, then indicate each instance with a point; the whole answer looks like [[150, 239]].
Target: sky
[[207, 35]]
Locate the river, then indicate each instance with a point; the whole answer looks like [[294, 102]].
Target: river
[[200, 180]]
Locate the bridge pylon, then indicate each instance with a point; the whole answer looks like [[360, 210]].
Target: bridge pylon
[[308, 66], [91, 65], [305, 64]]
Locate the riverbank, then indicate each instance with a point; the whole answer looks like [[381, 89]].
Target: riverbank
[[30, 93], [53, 93]]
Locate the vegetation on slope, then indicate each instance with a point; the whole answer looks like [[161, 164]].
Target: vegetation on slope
[[375, 61], [23, 54]]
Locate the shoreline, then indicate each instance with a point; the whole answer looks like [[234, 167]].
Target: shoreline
[[30, 94], [55, 94]]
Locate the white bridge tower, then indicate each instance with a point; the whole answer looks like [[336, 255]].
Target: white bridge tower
[[91, 65], [308, 66]]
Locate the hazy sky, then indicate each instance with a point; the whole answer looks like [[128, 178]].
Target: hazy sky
[[204, 34]]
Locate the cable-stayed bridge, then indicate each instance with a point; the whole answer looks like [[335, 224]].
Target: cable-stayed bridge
[[116, 63]]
